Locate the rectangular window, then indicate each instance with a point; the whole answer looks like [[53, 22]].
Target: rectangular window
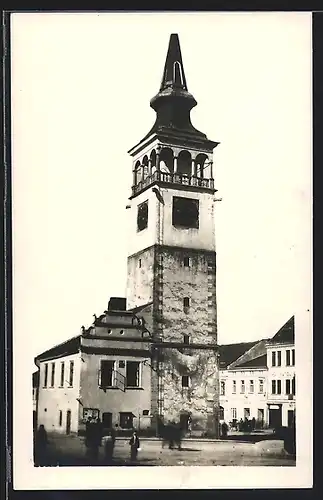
[[279, 387], [186, 339], [186, 303], [71, 373], [60, 418], [288, 387], [90, 413], [251, 387], [234, 413], [52, 378], [243, 387], [139, 262], [279, 358], [293, 386], [234, 386], [62, 374], [186, 262], [107, 372], [273, 386], [133, 374], [46, 375], [185, 212], [261, 386], [246, 412], [293, 357], [222, 393], [142, 216], [273, 358], [288, 357], [185, 381]]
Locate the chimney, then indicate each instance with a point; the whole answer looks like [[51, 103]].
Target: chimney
[[117, 304]]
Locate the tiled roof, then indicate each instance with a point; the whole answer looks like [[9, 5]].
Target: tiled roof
[[260, 362], [69, 347], [286, 333], [231, 352], [139, 308]]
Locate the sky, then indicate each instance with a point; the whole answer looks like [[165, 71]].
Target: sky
[[81, 86]]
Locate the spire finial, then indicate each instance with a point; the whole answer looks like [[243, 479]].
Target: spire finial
[[174, 75]]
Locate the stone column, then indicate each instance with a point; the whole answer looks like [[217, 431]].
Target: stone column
[[134, 176], [175, 164], [149, 167], [142, 172], [193, 167]]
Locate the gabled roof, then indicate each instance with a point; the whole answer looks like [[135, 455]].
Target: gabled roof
[[231, 352], [259, 362], [286, 334], [66, 348]]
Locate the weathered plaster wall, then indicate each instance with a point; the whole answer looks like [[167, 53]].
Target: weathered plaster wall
[[140, 279], [53, 399], [113, 400]]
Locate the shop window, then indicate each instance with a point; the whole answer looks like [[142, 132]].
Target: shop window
[[126, 420]]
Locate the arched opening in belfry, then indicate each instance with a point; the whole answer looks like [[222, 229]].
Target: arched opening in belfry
[[153, 158], [145, 172], [184, 163], [200, 165], [166, 160], [137, 177], [177, 74]]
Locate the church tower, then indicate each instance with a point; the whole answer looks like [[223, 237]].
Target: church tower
[[172, 258]]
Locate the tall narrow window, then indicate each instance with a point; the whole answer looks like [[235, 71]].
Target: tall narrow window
[[62, 374], [243, 387], [261, 386], [279, 358], [273, 358], [133, 374], [288, 357], [142, 216], [234, 386], [279, 387], [186, 339], [288, 387], [46, 375], [251, 387], [107, 373], [234, 413], [186, 304], [222, 388], [186, 262], [293, 386], [52, 378], [71, 373], [60, 418], [273, 386], [293, 357], [139, 263], [185, 381]]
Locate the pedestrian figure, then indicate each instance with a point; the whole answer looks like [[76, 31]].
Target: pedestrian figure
[[41, 442], [171, 433], [178, 435], [109, 443], [224, 429], [253, 423], [134, 446], [240, 425]]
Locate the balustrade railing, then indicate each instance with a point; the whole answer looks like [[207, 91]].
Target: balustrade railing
[[173, 178]]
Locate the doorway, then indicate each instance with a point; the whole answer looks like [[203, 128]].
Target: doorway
[[290, 418], [261, 417], [107, 420], [275, 416], [68, 422], [184, 419]]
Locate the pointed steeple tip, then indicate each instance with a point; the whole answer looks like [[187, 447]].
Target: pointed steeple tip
[[174, 75]]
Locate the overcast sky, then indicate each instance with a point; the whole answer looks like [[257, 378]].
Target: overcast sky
[[81, 87]]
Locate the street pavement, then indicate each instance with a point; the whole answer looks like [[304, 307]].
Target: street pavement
[[70, 451]]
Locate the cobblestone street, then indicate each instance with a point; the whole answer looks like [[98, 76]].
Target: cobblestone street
[[69, 451]]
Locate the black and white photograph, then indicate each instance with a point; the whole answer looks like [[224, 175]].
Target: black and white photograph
[[162, 249]]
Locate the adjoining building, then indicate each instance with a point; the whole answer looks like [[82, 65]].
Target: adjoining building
[[281, 400], [257, 380]]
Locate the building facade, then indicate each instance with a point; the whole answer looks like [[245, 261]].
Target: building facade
[[104, 372], [281, 401]]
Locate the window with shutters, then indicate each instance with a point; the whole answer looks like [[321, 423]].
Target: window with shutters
[[107, 373]]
